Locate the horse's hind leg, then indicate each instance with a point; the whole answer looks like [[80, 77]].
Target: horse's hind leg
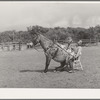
[[60, 67], [48, 59]]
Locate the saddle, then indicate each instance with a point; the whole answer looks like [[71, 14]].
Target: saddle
[[51, 50]]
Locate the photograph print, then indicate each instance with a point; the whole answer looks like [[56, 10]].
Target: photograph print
[[47, 44]]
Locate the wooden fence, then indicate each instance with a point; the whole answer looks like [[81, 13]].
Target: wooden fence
[[89, 42], [18, 45], [13, 45]]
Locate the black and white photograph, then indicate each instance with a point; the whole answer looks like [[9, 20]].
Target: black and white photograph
[[50, 44]]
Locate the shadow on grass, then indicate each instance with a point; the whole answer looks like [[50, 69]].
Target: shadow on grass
[[49, 70], [41, 71]]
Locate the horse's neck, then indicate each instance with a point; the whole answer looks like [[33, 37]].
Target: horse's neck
[[44, 42]]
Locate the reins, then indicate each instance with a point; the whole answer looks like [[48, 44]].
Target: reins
[[35, 48]]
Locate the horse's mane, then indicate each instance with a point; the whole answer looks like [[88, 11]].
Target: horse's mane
[[46, 38], [51, 42]]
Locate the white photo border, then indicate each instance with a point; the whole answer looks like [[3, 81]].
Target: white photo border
[[44, 93]]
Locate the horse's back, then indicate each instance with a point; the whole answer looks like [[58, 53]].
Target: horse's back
[[61, 55]]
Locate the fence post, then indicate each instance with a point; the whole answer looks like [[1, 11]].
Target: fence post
[[96, 41], [8, 47], [19, 46], [90, 40], [13, 46], [2, 46]]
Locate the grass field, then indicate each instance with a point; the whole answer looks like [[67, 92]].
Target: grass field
[[23, 69]]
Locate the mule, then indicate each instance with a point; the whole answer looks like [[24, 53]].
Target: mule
[[52, 50]]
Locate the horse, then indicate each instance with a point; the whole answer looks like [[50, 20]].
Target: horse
[[51, 50]]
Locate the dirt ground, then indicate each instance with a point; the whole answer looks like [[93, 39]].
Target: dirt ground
[[23, 69]]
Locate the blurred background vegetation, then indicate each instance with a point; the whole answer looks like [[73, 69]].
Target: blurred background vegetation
[[57, 33]]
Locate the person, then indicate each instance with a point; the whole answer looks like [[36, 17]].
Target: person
[[78, 50], [69, 41], [76, 55], [31, 44], [28, 45]]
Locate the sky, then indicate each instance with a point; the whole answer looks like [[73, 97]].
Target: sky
[[19, 15]]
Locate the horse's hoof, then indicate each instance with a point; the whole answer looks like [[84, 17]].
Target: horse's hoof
[[45, 71], [54, 71], [71, 71], [57, 69]]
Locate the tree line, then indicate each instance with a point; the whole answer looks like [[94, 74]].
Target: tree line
[[58, 33]]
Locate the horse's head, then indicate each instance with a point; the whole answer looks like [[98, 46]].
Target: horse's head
[[35, 36]]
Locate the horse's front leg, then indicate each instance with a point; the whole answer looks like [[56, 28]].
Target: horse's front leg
[[48, 59]]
